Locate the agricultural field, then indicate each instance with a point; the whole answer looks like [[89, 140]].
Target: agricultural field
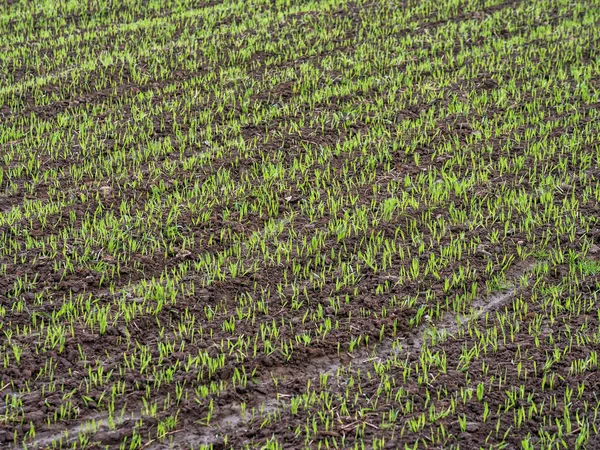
[[299, 224]]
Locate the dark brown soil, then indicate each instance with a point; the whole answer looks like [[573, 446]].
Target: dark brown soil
[[50, 388]]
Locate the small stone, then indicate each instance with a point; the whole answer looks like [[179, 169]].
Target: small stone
[[472, 427], [106, 190], [594, 249], [481, 249], [183, 254]]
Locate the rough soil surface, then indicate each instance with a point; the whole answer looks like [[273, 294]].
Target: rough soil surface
[[505, 352]]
